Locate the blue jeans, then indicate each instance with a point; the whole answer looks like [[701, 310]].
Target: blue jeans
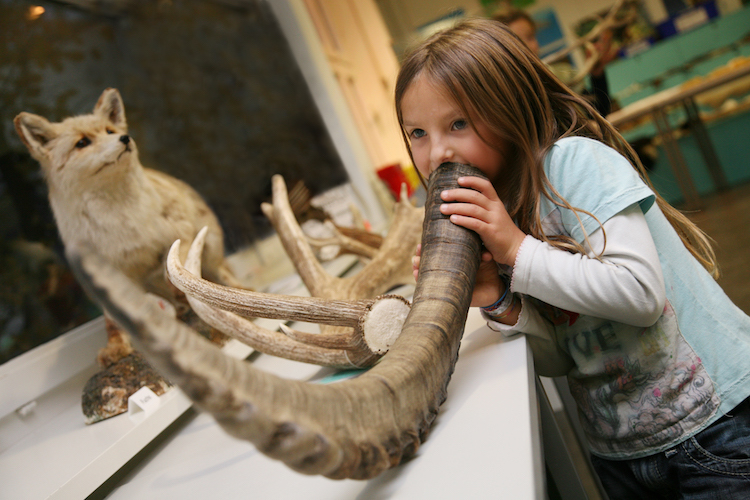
[[713, 464]]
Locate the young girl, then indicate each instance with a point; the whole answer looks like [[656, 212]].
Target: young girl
[[612, 286]]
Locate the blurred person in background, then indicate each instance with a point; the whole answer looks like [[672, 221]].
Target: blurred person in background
[[524, 27]]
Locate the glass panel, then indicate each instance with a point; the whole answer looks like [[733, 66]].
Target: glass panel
[[212, 96]]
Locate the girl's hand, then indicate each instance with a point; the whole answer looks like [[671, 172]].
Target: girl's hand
[[476, 206], [488, 286]]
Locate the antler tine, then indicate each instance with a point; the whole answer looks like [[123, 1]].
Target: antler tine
[[391, 266], [340, 340], [315, 278], [276, 343]]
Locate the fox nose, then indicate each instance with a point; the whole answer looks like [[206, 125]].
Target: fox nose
[[125, 139]]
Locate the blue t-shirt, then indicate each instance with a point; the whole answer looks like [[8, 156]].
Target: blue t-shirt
[[643, 390]]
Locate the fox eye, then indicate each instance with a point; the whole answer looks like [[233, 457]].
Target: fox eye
[[110, 131], [83, 143]]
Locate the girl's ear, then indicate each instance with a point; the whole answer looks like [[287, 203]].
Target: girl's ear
[[35, 132], [110, 107]]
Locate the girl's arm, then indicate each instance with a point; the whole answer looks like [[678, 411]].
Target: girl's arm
[[625, 284]]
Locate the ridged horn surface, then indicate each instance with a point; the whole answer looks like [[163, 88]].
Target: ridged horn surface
[[355, 428]]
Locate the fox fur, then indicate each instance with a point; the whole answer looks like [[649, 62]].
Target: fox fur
[[101, 195]]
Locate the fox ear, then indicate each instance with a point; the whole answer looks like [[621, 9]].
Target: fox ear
[[35, 132], [111, 107]]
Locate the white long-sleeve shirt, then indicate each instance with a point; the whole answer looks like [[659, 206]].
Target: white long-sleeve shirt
[[624, 284]]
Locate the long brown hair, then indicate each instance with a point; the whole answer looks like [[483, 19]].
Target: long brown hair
[[492, 76]]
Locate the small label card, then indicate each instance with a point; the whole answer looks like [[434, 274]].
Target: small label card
[[144, 401]]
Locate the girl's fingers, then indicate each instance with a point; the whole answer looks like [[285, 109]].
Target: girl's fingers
[[465, 195], [484, 186], [486, 199], [465, 210], [475, 205], [475, 224]]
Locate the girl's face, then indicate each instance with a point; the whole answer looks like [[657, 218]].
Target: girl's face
[[439, 131]]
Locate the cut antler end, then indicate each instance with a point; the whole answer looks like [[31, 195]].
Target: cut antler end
[[379, 326], [383, 321]]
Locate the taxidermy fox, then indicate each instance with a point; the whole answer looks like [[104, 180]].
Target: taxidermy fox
[[100, 194]]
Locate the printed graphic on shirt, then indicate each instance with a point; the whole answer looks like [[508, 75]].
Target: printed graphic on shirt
[[637, 389]]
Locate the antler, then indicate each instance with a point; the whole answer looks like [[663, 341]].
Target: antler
[[344, 307], [355, 428], [611, 20], [391, 266], [224, 308]]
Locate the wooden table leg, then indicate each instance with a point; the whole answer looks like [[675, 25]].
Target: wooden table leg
[[705, 145], [676, 160]]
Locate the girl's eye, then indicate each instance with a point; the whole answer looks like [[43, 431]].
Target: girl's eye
[[417, 133], [460, 124], [83, 143]]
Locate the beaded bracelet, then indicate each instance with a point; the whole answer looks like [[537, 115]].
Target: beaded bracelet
[[501, 304], [504, 313], [504, 306]]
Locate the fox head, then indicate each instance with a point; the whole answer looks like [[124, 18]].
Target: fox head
[[81, 150]]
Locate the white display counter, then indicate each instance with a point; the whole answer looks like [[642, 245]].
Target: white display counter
[[485, 441]]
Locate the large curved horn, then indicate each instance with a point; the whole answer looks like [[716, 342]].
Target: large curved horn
[[356, 428]]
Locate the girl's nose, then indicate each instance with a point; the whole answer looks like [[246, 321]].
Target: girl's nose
[[441, 153]]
